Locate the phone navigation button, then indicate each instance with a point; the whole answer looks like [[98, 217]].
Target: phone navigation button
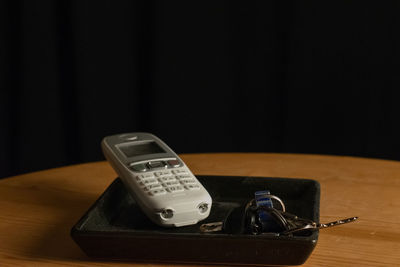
[[138, 167], [174, 163], [156, 164]]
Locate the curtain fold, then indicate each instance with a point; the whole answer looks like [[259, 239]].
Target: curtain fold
[[220, 76]]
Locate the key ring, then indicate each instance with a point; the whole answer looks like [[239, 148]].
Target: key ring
[[256, 214], [260, 217], [252, 202]]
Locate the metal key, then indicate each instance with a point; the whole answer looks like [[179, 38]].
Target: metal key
[[302, 224], [234, 223], [211, 227], [292, 224], [255, 218]]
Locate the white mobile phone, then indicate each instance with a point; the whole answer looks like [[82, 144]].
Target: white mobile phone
[[160, 182]]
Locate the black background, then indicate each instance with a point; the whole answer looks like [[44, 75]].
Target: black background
[[219, 76]]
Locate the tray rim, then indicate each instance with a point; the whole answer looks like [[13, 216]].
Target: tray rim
[[80, 223], [81, 235]]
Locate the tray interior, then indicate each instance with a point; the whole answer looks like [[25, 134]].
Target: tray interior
[[116, 211], [115, 228]]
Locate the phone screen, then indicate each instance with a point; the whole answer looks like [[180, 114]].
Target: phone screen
[[133, 150]]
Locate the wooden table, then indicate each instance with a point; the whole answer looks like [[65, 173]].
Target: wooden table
[[39, 209]]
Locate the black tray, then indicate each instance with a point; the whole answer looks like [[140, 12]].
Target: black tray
[[115, 228]]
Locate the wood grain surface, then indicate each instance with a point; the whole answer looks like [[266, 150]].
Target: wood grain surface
[[38, 209]]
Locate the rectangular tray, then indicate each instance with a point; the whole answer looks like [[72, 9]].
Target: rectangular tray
[[115, 227]]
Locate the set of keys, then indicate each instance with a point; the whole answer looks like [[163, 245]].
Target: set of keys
[[260, 217]]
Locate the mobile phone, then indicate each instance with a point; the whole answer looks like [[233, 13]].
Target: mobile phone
[[160, 182]]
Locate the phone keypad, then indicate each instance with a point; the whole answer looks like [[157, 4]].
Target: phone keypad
[[162, 173], [152, 187], [165, 181], [173, 189], [192, 187], [145, 176], [182, 177], [179, 171], [173, 183], [148, 182], [188, 181], [157, 192]]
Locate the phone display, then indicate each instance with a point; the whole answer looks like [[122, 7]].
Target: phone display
[[132, 150]]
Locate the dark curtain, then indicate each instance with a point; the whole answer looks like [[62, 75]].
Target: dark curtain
[[219, 76]]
